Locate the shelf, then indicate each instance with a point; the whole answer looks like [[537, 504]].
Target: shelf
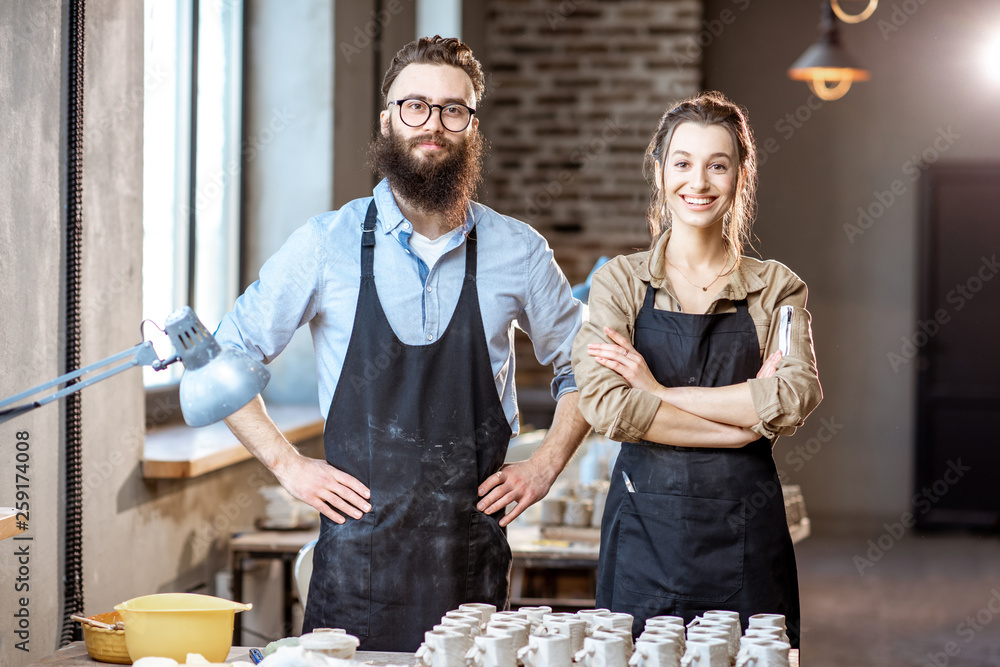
[[8, 523], [181, 452]]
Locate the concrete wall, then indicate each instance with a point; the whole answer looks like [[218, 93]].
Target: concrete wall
[[140, 536], [929, 96]]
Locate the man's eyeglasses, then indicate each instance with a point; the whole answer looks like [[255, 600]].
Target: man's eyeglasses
[[415, 112]]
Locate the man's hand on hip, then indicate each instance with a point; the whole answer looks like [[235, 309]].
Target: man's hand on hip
[[320, 485], [524, 483]]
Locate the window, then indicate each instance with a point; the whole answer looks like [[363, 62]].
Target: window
[[191, 162]]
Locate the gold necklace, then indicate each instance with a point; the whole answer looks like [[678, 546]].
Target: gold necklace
[[705, 288]]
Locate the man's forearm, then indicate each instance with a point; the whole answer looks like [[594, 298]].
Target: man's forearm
[[568, 430], [254, 428]]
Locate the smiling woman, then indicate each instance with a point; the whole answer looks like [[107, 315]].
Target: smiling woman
[[680, 361]]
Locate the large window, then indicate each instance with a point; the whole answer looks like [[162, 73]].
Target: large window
[[191, 161]]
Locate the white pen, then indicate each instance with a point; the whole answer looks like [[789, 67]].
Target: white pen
[[628, 482]]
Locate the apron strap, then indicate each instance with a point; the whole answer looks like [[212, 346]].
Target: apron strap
[[470, 255], [647, 302], [368, 242]]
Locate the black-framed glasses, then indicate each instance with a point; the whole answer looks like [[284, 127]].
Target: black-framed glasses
[[415, 112]]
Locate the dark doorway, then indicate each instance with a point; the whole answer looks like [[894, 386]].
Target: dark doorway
[[957, 344]]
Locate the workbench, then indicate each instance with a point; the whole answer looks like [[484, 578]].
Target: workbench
[[76, 654]]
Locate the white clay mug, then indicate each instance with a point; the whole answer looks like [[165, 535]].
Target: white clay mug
[[519, 632], [574, 628], [546, 651], [664, 634], [656, 652], [761, 652], [486, 610], [465, 632], [624, 635], [665, 622], [602, 652], [614, 620], [442, 648], [496, 650], [706, 652]]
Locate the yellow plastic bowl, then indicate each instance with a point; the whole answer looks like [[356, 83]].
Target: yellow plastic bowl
[[171, 625], [106, 645]]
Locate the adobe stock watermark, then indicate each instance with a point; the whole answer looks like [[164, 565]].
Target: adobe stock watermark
[[922, 504], [807, 451], [584, 155], [957, 297], [901, 13], [912, 168], [364, 35], [212, 187], [209, 531], [787, 126], [967, 630], [712, 29]]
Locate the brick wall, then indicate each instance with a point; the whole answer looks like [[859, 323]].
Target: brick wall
[[575, 90]]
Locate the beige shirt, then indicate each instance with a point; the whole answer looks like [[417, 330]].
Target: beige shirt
[[782, 401]]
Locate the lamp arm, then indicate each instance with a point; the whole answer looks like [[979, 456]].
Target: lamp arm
[[142, 354]]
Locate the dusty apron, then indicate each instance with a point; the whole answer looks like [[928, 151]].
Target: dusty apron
[[421, 427], [705, 527]]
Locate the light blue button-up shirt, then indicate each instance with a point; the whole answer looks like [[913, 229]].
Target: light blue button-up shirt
[[315, 279]]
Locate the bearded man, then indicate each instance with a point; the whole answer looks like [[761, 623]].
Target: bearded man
[[411, 297]]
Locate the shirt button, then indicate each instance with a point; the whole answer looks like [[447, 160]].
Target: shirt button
[[430, 337], [430, 289], [406, 225]]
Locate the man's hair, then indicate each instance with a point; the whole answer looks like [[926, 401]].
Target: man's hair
[[436, 50]]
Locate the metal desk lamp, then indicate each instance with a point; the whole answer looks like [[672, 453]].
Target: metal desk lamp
[[216, 382]]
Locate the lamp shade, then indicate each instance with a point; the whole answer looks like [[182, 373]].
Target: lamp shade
[[216, 382], [827, 62]]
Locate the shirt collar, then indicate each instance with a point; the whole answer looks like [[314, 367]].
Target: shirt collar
[[392, 221], [742, 281]]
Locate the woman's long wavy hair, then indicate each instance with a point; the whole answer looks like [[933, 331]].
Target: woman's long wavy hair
[[708, 108]]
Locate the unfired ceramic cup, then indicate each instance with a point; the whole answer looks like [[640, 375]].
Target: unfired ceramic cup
[[487, 610], [331, 644], [762, 652], [602, 652], [496, 650], [624, 635], [442, 648], [574, 627], [657, 652], [546, 651], [706, 652], [519, 632]]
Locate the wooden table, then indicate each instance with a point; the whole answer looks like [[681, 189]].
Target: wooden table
[[280, 545], [76, 654], [528, 551]]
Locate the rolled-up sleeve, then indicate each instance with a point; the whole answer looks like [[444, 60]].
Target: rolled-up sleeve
[[784, 400], [266, 315], [551, 317], [607, 401]]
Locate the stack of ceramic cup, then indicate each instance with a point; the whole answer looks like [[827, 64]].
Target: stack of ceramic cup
[[765, 643]]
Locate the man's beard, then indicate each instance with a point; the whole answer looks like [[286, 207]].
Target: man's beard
[[442, 186]]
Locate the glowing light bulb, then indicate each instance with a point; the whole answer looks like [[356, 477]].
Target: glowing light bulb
[[991, 58]]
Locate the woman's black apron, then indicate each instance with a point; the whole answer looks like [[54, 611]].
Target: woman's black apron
[[421, 427], [705, 528]]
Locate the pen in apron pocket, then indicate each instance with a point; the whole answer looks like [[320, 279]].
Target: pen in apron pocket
[[628, 482]]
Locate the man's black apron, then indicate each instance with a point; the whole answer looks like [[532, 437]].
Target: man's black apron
[[705, 528], [421, 427]]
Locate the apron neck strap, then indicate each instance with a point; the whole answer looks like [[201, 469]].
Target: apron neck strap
[[368, 242]]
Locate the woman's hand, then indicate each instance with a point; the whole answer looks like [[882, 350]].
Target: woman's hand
[[622, 358], [769, 366]]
